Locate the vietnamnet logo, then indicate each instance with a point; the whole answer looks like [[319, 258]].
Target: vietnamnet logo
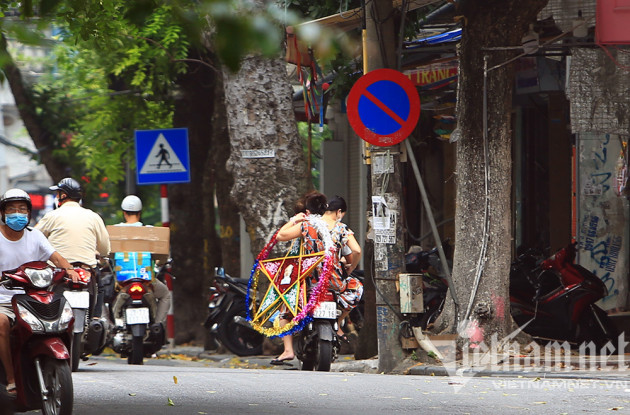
[[532, 365]]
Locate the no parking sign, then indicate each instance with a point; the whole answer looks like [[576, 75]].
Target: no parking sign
[[383, 107]]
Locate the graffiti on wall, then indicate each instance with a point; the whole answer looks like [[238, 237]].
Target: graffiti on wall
[[602, 227]]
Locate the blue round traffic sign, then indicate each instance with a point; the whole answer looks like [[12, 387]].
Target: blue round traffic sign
[[383, 107]]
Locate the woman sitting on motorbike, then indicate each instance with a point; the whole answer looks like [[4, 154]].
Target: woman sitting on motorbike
[[312, 205], [350, 289]]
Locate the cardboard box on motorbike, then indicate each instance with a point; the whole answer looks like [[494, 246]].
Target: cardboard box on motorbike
[[135, 249]]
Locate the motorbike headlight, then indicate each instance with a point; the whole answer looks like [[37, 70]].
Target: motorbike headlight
[[66, 316], [41, 278], [30, 319]]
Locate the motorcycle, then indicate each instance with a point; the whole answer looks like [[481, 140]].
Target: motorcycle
[[317, 345], [434, 283], [136, 332], [90, 335], [40, 339], [554, 299], [227, 315]]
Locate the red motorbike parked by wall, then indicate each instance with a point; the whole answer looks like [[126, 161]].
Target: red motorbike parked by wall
[[554, 299], [40, 339]]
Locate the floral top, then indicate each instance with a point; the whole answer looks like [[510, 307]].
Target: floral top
[[313, 243]]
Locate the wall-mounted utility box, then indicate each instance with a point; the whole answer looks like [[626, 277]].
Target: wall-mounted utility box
[[411, 293], [612, 18]]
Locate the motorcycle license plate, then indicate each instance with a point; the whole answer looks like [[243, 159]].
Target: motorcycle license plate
[[78, 299], [137, 315], [326, 309]]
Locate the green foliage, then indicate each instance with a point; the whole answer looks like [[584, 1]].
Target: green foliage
[[115, 66], [317, 138]]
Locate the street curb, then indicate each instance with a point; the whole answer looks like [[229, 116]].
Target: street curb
[[348, 365], [443, 371]]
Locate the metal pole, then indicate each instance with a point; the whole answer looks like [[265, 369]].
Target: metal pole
[[170, 318], [164, 205]]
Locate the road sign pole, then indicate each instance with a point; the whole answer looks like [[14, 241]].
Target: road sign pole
[[170, 318], [164, 205], [388, 258]]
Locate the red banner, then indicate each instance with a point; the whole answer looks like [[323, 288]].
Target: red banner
[[434, 72]]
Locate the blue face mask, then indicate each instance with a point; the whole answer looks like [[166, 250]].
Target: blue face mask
[[16, 221]]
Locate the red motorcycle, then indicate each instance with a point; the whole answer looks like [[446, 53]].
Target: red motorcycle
[[554, 299], [40, 339]]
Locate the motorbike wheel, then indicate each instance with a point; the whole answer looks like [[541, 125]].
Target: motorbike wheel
[[308, 365], [599, 329], [58, 382], [75, 351], [323, 356], [240, 340], [136, 356]]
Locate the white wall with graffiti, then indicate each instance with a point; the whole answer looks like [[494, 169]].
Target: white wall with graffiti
[[602, 215]]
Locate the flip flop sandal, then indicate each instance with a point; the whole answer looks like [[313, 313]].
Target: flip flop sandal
[[277, 361], [11, 389]]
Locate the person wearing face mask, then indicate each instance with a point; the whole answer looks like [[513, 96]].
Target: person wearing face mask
[[19, 244], [76, 232]]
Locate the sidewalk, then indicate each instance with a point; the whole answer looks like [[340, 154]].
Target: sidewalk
[[571, 367]]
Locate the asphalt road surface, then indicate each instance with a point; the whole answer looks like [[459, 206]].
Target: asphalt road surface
[[110, 386]]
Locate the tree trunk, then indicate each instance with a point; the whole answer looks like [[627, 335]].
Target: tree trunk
[[260, 117], [485, 310], [195, 244], [42, 138]]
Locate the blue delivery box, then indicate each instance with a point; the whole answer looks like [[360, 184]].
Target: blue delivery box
[[133, 265]]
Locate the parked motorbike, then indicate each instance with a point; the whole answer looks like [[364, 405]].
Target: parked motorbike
[[554, 299], [317, 345], [40, 339], [136, 332], [434, 282], [227, 315], [90, 336]]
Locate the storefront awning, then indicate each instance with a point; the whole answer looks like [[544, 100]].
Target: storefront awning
[[351, 19]]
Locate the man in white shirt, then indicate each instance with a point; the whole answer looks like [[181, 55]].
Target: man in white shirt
[[19, 245]]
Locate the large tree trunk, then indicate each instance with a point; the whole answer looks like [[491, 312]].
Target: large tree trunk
[[42, 138], [260, 117], [196, 247], [485, 310]]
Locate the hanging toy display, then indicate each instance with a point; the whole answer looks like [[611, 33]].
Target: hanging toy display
[[290, 283]]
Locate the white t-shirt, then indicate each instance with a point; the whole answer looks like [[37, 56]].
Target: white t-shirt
[[132, 224], [32, 246]]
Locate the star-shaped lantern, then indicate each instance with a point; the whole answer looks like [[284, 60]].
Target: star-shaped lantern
[[287, 283]]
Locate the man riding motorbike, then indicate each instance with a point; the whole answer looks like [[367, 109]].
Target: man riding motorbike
[[18, 245], [132, 213], [76, 232]]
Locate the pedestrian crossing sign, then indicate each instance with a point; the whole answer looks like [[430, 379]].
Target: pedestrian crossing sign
[[162, 156]]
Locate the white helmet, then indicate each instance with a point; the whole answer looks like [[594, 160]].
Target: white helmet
[[131, 204]]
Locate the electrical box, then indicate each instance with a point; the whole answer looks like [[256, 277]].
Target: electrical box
[[411, 293], [612, 26]]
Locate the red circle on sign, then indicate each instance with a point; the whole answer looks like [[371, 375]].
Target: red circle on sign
[[359, 90]]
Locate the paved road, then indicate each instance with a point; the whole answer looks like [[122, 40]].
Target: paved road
[[110, 386]]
